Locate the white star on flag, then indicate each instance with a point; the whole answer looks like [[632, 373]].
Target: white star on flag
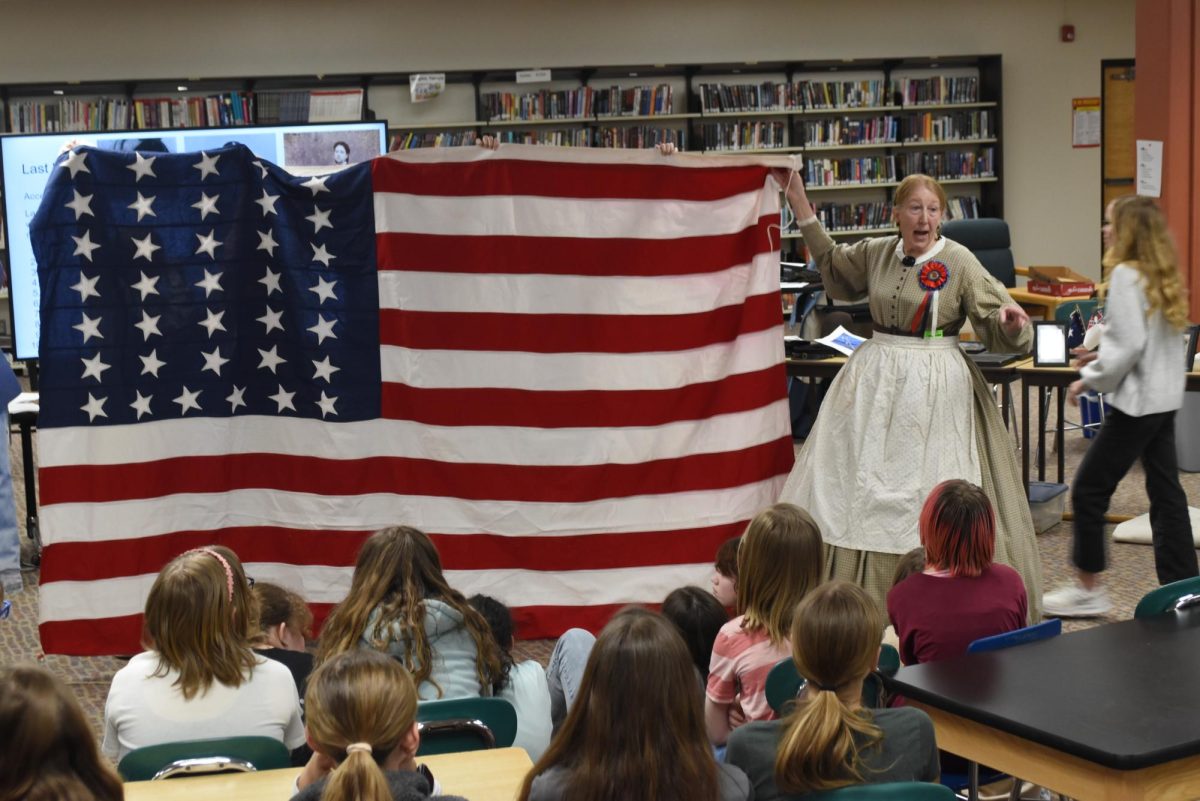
[[208, 244], [283, 399], [326, 404], [320, 219], [266, 241], [84, 245], [89, 328], [94, 407], [267, 201], [142, 167], [147, 286], [270, 359], [76, 163], [324, 369], [151, 363], [144, 248], [207, 165], [148, 325], [271, 320], [81, 204], [262, 167], [235, 398], [143, 206], [86, 287], [212, 322], [271, 282], [188, 400], [323, 290], [207, 205], [141, 404], [93, 367], [317, 184], [210, 283], [213, 361], [323, 329], [321, 254]]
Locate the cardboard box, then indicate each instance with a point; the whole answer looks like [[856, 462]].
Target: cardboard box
[[1060, 282]]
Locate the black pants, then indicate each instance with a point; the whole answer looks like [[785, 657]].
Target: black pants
[[1122, 439]]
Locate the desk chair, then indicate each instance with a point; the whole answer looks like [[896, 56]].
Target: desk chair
[[988, 239], [900, 791], [1169, 598], [188, 757], [971, 780], [465, 724], [784, 683]]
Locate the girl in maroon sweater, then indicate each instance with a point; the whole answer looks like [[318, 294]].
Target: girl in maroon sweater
[[961, 595]]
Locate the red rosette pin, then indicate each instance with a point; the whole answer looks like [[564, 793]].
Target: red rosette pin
[[933, 275]]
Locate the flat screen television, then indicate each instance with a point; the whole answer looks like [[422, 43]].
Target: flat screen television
[[26, 161]]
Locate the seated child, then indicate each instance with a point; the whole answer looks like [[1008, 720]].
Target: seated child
[[523, 685], [47, 751], [362, 726], [780, 561], [911, 562], [201, 677], [961, 595], [698, 616], [725, 573], [827, 739], [284, 622]]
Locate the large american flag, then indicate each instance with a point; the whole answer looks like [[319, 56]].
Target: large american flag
[[565, 365]]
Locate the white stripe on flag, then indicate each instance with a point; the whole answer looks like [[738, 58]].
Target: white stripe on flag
[[168, 439], [577, 294], [119, 520], [529, 215], [461, 369]]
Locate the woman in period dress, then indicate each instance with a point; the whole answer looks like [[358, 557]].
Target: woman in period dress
[[909, 410]]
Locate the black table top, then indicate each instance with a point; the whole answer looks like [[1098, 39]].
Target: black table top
[[1125, 695]]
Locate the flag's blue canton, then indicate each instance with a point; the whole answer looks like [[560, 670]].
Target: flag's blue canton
[[215, 284]]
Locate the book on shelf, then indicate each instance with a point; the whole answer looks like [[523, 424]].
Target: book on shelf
[[841, 94], [67, 114], [744, 135], [546, 104], [937, 89], [635, 136], [947, 126], [851, 131], [335, 105], [413, 140], [636, 101], [575, 137], [850, 171], [765, 96], [950, 164]]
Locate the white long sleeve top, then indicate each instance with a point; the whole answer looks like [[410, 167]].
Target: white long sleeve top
[[1141, 363]]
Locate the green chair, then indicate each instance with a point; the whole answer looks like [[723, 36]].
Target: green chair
[[465, 724], [784, 683], [1169, 598], [901, 791], [188, 757]]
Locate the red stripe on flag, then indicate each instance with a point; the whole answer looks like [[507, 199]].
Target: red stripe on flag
[[409, 476], [501, 176], [561, 255], [86, 561], [584, 408], [576, 333], [98, 637]]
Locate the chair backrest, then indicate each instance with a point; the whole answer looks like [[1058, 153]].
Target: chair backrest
[[988, 239], [784, 683], [465, 724], [1040, 631], [188, 757], [1170, 597], [906, 791]]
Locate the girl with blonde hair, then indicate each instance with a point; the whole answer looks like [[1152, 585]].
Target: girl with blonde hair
[[1140, 367], [362, 727], [47, 751], [827, 739], [779, 561], [200, 677], [636, 729], [400, 603]]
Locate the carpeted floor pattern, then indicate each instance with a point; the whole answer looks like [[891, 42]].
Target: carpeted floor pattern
[[1130, 576]]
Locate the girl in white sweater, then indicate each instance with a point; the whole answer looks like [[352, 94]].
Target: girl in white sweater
[[1140, 367]]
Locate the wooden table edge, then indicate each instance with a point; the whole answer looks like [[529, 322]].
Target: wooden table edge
[[1178, 780]]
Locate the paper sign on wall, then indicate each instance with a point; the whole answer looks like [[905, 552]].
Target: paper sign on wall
[[426, 86], [1085, 122], [1149, 167]]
